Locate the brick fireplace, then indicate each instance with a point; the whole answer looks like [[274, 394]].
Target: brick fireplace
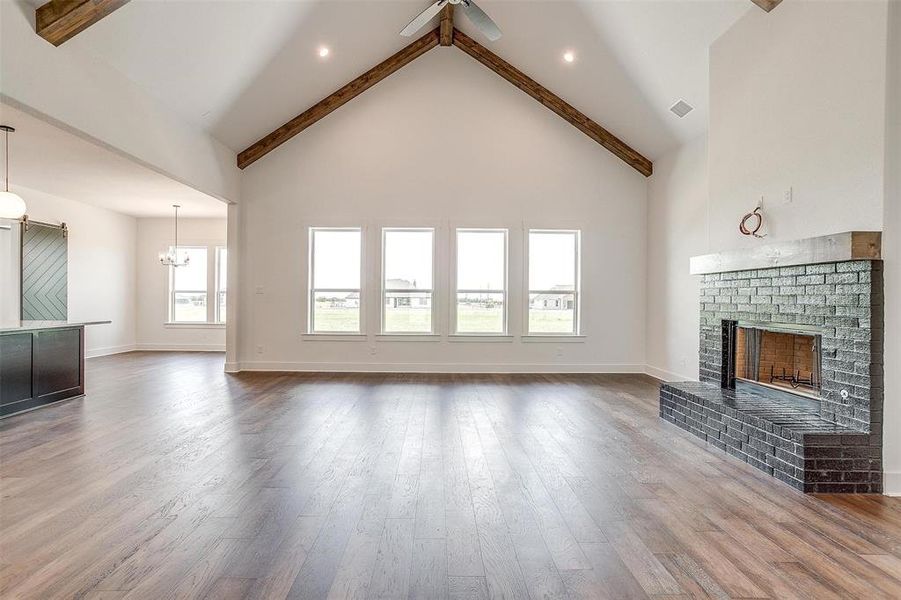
[[791, 362]]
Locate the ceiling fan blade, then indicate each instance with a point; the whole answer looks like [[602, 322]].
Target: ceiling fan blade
[[423, 18], [481, 20]]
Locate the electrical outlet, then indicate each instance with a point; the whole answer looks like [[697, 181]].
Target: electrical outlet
[[372, 351], [788, 196], [259, 349], [559, 352], [260, 290]]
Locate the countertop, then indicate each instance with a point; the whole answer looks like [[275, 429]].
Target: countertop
[[17, 326]]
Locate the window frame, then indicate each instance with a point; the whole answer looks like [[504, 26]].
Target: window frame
[[218, 289], [206, 292], [432, 291], [455, 291], [577, 283], [312, 291]]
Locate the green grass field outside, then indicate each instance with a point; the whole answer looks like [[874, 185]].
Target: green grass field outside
[[470, 319]]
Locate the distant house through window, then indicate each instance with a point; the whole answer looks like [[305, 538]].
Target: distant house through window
[[334, 300], [554, 263], [407, 291]]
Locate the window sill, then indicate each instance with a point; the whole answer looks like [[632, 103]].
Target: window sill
[[198, 325], [480, 338], [553, 338], [408, 337], [333, 337]]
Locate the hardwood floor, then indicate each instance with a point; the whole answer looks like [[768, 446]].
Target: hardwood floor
[[173, 480]]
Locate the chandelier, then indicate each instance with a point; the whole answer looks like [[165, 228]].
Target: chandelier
[[169, 258]]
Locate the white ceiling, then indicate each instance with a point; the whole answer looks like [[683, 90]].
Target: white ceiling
[[240, 68], [49, 159]]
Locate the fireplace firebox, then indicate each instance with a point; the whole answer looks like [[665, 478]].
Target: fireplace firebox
[[780, 357]]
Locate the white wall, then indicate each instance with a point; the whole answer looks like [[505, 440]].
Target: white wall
[[442, 141], [797, 100], [88, 97], [101, 277], [892, 249], [153, 333], [677, 230], [9, 273]]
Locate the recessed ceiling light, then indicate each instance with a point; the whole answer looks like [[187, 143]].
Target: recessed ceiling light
[[681, 108], [323, 51], [568, 56]]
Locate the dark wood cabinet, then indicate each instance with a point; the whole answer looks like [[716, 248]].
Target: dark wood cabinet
[[16, 381], [40, 366]]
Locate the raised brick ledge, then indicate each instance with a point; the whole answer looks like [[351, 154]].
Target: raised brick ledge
[[780, 438]]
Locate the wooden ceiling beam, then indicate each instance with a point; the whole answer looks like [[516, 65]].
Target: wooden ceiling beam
[[767, 5], [338, 99], [447, 25], [546, 97], [459, 39], [61, 20]]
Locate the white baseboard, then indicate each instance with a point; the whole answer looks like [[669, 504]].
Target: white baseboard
[[107, 351], [433, 367], [665, 375], [181, 347], [891, 483]]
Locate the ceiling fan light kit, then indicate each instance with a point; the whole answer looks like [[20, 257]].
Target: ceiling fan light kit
[[476, 15]]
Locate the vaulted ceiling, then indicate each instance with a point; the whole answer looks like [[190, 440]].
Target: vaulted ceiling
[[243, 67]]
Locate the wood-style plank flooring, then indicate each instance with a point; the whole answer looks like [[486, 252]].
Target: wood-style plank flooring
[[174, 480]]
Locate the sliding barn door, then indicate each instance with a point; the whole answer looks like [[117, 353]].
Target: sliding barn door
[[44, 273]]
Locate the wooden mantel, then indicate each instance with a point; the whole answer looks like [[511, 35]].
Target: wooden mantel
[[838, 247]]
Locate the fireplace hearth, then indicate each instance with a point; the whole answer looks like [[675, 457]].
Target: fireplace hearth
[[791, 363]]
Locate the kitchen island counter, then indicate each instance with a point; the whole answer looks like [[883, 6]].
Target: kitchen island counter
[[41, 362]]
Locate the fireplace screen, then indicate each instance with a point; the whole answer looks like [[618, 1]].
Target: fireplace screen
[[781, 359]]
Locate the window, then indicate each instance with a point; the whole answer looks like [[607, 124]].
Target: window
[[335, 258], [407, 280], [553, 282], [481, 303], [221, 280], [188, 286]]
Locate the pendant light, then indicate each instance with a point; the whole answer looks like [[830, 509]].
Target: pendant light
[[169, 258], [11, 205]]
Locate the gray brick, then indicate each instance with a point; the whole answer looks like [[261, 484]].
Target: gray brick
[[846, 267], [784, 280], [852, 288], [791, 290], [842, 278], [819, 289], [824, 268], [814, 280]]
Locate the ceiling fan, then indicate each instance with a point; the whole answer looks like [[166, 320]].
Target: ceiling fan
[[472, 11]]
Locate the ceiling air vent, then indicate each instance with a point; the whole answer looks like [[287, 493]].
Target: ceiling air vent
[[681, 108]]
